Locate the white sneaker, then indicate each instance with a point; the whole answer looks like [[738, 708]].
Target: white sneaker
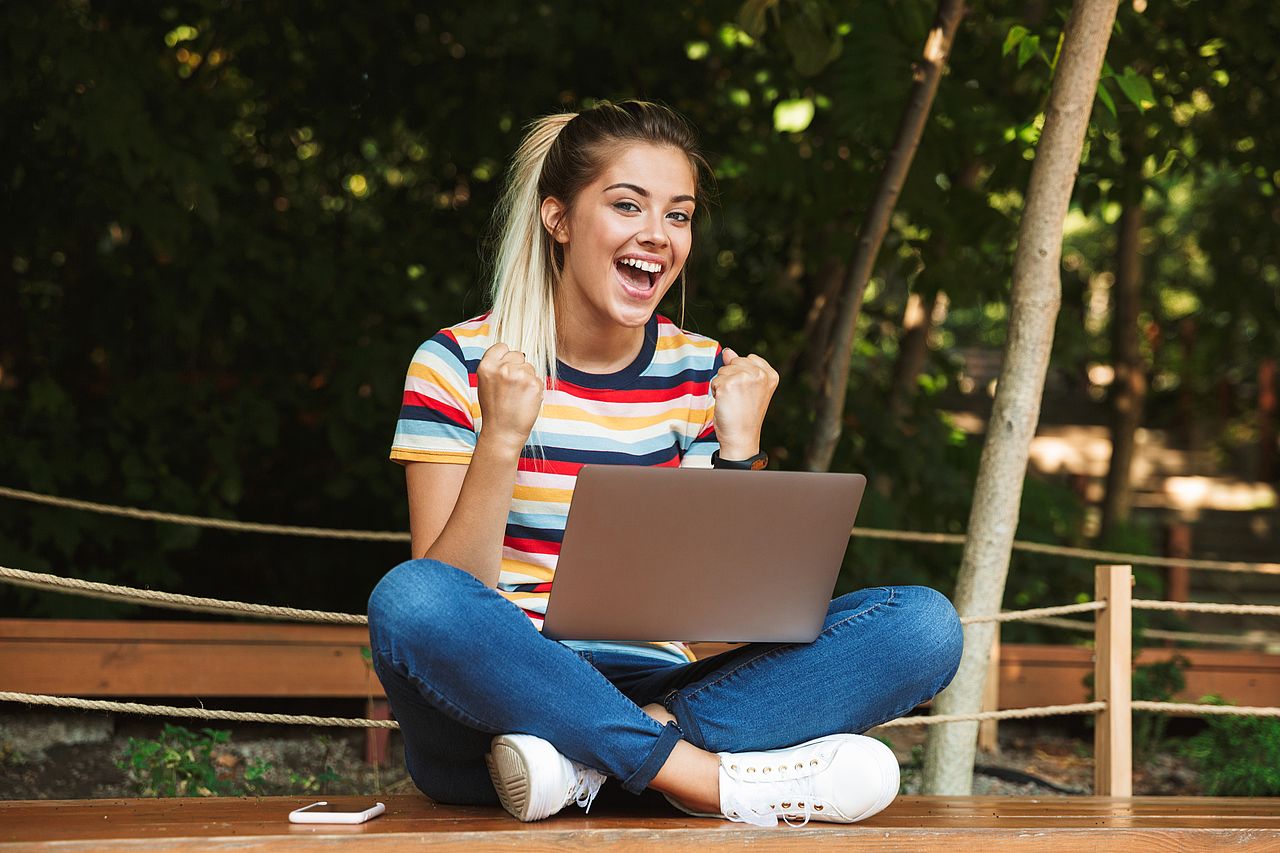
[[534, 781], [840, 778]]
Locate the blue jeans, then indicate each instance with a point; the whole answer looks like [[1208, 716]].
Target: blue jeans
[[460, 664]]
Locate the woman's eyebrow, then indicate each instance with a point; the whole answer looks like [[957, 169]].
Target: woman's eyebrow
[[642, 191]]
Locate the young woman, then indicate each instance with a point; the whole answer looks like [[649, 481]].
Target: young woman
[[572, 365]]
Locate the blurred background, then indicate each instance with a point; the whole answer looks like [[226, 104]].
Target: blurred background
[[228, 226]]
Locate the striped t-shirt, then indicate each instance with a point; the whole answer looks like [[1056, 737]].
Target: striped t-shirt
[[656, 411]]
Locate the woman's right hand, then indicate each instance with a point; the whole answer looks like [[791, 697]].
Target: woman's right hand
[[510, 395]]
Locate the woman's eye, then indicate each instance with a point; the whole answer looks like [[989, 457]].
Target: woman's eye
[[684, 217], [620, 204]]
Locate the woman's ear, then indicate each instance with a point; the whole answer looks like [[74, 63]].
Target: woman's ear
[[553, 214]]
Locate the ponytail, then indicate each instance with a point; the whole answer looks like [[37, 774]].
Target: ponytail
[[524, 274]]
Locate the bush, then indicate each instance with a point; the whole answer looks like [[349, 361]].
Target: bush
[[178, 764], [1237, 756]]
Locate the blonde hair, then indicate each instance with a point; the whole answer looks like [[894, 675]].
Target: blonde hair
[[559, 156]]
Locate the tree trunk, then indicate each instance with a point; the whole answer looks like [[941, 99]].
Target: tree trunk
[[913, 348], [811, 355], [1035, 300], [835, 382], [1129, 385], [1187, 415], [1267, 420]]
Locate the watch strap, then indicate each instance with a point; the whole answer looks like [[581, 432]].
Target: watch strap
[[755, 463]]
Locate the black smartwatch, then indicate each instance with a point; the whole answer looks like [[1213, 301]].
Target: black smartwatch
[[755, 463]]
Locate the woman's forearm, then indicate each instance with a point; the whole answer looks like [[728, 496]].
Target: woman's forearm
[[472, 537]]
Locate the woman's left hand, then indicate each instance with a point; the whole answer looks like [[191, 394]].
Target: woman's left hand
[[742, 389]]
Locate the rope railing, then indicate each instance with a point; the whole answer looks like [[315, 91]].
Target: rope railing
[[1174, 708], [185, 602], [1261, 641], [171, 600], [1112, 664], [203, 521], [194, 713], [175, 601], [1115, 557]]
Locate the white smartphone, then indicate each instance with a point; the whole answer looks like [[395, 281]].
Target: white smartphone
[[323, 812]]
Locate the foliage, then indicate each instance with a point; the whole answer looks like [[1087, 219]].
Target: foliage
[[183, 763], [1237, 756], [238, 223], [1153, 682], [180, 763]]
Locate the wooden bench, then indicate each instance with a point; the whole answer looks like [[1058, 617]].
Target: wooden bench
[[1011, 825], [211, 660]]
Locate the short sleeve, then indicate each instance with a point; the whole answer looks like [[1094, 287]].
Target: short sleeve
[[436, 423], [705, 443]]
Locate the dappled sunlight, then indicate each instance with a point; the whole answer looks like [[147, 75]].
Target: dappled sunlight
[[1221, 493], [1164, 475]]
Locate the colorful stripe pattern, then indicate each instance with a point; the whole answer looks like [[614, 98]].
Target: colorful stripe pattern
[[657, 411]]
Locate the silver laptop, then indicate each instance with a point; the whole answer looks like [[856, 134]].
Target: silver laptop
[[700, 555]]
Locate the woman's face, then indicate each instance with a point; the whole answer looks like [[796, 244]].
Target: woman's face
[[640, 209]]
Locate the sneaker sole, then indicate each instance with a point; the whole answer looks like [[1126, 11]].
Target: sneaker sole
[[510, 776]]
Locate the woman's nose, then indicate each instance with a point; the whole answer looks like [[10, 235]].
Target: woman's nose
[[654, 231]]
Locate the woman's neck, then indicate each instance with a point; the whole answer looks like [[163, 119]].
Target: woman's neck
[[586, 343]]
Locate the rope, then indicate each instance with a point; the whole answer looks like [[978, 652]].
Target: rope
[[1205, 607], [1009, 714], [359, 723], [195, 713], [199, 521], [1220, 710], [111, 592], [1117, 557], [864, 532], [1035, 613], [1262, 641]]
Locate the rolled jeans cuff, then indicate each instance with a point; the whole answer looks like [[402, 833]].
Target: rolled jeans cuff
[[667, 738]]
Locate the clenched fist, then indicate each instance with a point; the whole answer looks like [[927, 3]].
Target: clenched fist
[[742, 389], [510, 395]]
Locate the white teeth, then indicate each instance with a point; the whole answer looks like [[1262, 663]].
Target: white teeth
[[642, 265]]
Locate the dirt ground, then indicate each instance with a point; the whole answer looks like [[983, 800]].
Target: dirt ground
[[70, 755]]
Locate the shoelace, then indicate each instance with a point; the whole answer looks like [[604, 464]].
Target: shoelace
[[586, 785], [764, 811], [764, 807]]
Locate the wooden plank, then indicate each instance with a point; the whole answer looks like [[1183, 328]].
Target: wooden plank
[[238, 633], [1113, 682], [1054, 675], [911, 823], [103, 658]]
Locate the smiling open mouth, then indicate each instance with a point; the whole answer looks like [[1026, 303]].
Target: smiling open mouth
[[637, 278]]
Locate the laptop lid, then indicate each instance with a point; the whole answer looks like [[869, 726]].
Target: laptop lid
[[700, 555]]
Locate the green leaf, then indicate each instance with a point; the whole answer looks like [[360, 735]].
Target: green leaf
[[751, 16], [811, 37], [1016, 34], [1027, 48], [1105, 97], [1136, 88]]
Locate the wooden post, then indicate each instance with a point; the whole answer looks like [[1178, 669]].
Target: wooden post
[[377, 741], [1113, 683], [1178, 579], [989, 730]]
